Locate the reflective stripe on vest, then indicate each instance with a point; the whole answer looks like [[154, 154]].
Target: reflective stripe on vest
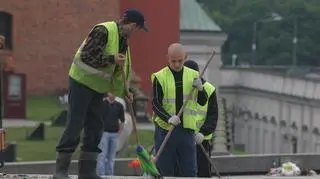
[[190, 112], [166, 80], [91, 70], [173, 101]]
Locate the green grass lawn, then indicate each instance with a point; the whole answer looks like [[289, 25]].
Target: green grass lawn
[[41, 108], [45, 150]]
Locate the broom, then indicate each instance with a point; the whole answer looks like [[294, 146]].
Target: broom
[[145, 160], [180, 112], [136, 163]]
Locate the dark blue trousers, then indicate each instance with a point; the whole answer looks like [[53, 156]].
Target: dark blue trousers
[[181, 148], [84, 112]]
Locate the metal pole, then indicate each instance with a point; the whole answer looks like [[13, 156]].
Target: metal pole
[[2, 45], [1, 91], [254, 43], [294, 43]]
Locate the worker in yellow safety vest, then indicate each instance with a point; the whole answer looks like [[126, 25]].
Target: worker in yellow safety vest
[[96, 69], [206, 124], [171, 85]]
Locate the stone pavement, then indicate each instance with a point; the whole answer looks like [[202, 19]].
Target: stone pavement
[[143, 177]]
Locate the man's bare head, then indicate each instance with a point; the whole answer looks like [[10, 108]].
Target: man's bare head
[[176, 56]]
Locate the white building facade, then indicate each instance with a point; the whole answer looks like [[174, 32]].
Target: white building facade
[[272, 113]]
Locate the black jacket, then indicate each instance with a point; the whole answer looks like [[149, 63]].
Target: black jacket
[[210, 123]]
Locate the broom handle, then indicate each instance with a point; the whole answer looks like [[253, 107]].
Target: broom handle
[[181, 110], [134, 121], [210, 161]]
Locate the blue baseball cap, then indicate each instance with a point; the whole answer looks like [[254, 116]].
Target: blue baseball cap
[[134, 15]]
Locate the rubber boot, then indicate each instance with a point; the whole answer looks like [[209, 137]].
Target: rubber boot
[[62, 165], [87, 165]]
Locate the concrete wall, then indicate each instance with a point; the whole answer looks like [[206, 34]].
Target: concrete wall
[[272, 82], [272, 111], [227, 165]]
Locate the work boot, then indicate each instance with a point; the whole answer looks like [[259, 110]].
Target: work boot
[[62, 165], [87, 165]]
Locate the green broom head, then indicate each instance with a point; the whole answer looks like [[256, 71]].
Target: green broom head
[[146, 162]]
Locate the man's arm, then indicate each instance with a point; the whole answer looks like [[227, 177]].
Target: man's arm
[[157, 101], [121, 115], [202, 96], [92, 51], [210, 123]]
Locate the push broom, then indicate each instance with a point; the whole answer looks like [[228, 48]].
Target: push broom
[[179, 114], [144, 158]]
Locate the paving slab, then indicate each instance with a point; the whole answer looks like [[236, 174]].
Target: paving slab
[[144, 177]]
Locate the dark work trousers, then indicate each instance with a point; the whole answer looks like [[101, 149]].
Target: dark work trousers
[[204, 166], [177, 172], [180, 147], [84, 112]]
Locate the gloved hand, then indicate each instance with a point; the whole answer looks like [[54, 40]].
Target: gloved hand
[[197, 84], [174, 120], [199, 138], [129, 97]]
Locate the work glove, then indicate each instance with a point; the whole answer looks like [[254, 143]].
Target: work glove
[[174, 120], [197, 84], [199, 138]]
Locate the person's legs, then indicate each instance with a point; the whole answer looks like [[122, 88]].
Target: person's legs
[[187, 153], [177, 172], [93, 129], [167, 158], [101, 160], [112, 151], [79, 99], [204, 166]]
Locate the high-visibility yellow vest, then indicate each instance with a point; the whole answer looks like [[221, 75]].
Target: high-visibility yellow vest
[[202, 110], [106, 79], [167, 82]]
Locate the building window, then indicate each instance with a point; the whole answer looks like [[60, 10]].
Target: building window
[[265, 142], [257, 140], [6, 28], [294, 143], [250, 143], [273, 142]]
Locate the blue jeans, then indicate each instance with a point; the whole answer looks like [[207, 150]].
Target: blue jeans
[[180, 148], [108, 146]]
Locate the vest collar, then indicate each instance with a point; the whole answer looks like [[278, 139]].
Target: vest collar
[[175, 71]]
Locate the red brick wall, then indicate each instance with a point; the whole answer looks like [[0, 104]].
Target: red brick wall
[[46, 33], [149, 49]]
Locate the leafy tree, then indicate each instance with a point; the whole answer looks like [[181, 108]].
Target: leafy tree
[[274, 38]]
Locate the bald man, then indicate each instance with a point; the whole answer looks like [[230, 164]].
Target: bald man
[[171, 85]]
